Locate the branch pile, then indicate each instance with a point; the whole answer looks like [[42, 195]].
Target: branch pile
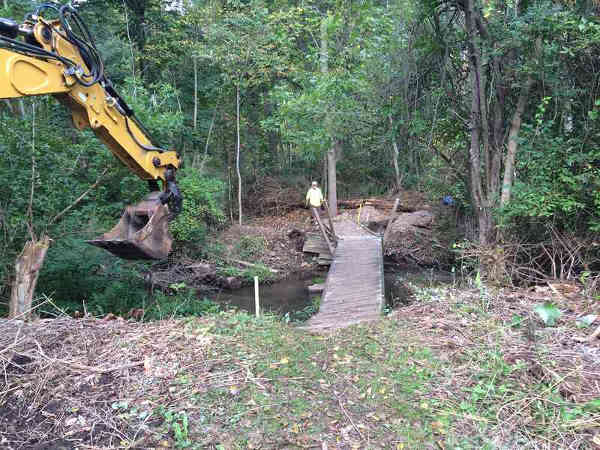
[[271, 196], [561, 256], [98, 383]]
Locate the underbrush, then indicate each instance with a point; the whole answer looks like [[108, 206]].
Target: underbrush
[[518, 372], [247, 275], [453, 369], [305, 313]]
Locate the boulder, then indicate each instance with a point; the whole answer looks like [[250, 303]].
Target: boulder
[[232, 283], [411, 240], [316, 288], [406, 221]]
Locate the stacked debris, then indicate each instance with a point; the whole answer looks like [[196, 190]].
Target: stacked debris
[[417, 233]]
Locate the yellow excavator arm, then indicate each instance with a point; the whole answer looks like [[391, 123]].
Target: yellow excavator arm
[[58, 57]]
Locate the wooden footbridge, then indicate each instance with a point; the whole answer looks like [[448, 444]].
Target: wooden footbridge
[[354, 289]]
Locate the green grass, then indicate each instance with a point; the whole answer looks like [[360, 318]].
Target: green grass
[[394, 384], [449, 371], [363, 383], [247, 275]]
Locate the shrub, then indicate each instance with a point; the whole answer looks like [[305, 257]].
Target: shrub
[[202, 206], [251, 246], [184, 303], [75, 272]]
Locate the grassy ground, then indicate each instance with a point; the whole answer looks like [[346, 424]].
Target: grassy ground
[[453, 370]]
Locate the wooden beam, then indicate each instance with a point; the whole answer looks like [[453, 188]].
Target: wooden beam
[[393, 216], [333, 235], [323, 231]]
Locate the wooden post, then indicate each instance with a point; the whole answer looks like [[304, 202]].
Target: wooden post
[[256, 298], [393, 216], [333, 235], [323, 232]]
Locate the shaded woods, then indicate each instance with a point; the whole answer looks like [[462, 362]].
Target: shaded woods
[[493, 104]]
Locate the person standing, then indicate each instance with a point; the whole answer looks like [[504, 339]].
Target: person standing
[[314, 196]]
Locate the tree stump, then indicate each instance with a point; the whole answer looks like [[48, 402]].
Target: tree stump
[[27, 270]]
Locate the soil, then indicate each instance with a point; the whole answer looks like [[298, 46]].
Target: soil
[[276, 249], [228, 381]]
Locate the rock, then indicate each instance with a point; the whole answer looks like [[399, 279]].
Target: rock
[[369, 216], [295, 233], [232, 283], [419, 219], [200, 268], [316, 288]]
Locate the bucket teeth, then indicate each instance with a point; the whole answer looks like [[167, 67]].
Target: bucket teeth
[[142, 232]]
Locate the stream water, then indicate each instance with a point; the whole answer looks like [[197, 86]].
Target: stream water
[[291, 295], [287, 296]]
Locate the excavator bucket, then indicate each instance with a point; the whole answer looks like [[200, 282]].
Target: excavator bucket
[[142, 232]]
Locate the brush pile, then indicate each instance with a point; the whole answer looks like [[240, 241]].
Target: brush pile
[[483, 332], [87, 383]]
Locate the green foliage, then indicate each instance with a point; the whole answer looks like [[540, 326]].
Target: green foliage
[[548, 313], [182, 304], [177, 423], [202, 207], [559, 179], [393, 77], [305, 313], [262, 272], [77, 276], [250, 246]]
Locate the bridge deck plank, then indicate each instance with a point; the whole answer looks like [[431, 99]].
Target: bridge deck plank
[[354, 287]]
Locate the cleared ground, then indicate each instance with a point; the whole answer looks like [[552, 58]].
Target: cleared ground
[[458, 368]]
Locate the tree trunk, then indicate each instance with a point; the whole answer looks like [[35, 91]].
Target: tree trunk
[[27, 269], [331, 177], [334, 151], [130, 48], [511, 153], [210, 128], [480, 200], [396, 155], [237, 159], [324, 176], [195, 92], [513, 133]]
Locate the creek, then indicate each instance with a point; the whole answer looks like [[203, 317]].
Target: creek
[[282, 297], [291, 295]]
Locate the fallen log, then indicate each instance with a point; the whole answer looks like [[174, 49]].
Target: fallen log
[[377, 203], [249, 264]]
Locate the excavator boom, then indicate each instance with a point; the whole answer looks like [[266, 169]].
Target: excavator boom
[[41, 57]]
